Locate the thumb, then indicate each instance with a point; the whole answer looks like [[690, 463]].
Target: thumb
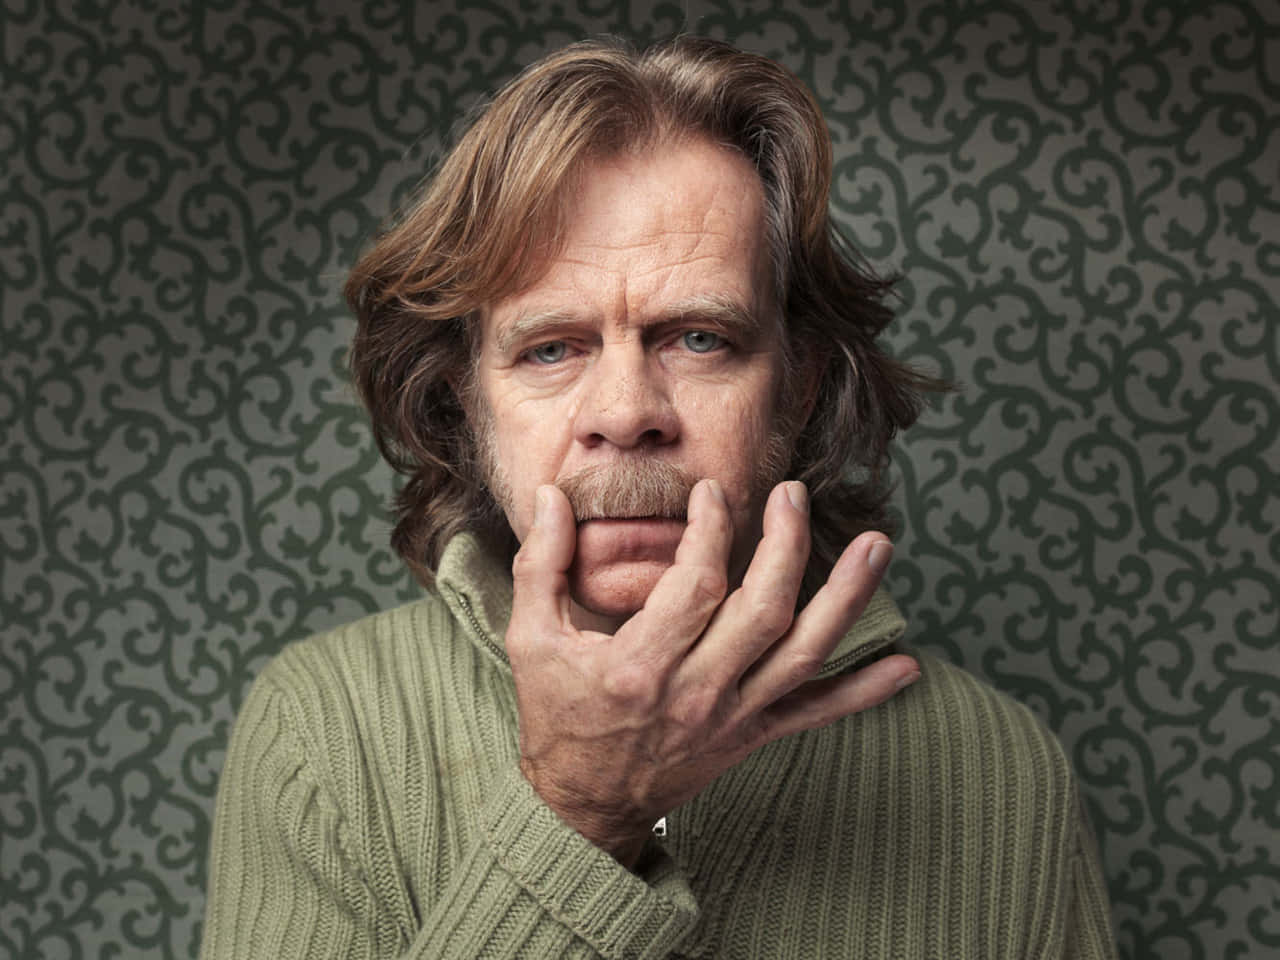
[[541, 566]]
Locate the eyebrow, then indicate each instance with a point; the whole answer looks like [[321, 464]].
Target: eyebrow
[[527, 326], [722, 311]]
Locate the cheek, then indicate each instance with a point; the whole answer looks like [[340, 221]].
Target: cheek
[[730, 436], [528, 453]]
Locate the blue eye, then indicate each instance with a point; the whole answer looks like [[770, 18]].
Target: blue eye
[[702, 341], [552, 352]]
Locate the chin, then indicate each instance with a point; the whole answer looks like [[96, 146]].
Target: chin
[[610, 595]]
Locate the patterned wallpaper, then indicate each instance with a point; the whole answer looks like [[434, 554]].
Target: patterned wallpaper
[[1084, 198]]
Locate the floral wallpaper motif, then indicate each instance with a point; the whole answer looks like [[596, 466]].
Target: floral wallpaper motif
[[1084, 200]]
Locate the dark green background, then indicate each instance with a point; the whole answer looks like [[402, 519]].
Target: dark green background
[[1084, 197]]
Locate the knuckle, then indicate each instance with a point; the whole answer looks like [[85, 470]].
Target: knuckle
[[518, 644], [757, 731], [695, 707], [800, 665], [707, 586], [629, 684], [770, 613], [526, 649], [523, 565]]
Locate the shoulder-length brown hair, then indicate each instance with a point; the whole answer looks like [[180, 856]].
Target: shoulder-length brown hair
[[492, 214]]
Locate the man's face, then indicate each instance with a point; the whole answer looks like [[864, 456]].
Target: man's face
[[645, 358]]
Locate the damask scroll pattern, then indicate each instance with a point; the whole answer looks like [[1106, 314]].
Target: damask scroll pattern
[[1083, 202], [1093, 518]]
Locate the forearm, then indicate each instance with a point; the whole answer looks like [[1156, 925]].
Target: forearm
[[294, 876]]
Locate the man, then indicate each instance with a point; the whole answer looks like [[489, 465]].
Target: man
[[631, 377]]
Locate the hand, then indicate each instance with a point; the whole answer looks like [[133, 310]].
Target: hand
[[616, 731]]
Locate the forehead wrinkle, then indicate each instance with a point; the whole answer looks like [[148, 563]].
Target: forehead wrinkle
[[696, 239]]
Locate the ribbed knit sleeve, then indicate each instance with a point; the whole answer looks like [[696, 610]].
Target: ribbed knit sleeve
[[295, 874], [537, 882], [1088, 933], [281, 881]]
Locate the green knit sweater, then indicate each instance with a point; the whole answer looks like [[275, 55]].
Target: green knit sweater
[[371, 806]]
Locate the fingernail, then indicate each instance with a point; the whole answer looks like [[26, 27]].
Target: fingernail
[[714, 486], [908, 680], [880, 555], [798, 496]]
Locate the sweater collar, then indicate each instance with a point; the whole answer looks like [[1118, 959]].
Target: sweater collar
[[477, 588]]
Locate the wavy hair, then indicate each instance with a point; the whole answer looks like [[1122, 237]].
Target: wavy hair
[[492, 213]]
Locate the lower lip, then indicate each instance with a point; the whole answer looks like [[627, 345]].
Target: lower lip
[[641, 539]]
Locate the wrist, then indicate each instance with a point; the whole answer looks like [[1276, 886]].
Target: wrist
[[620, 836]]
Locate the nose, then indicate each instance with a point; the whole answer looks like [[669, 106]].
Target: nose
[[626, 402]]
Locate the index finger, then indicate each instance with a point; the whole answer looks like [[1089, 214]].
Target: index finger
[[689, 591]]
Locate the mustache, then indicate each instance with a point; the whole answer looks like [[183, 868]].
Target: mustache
[[639, 488]]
